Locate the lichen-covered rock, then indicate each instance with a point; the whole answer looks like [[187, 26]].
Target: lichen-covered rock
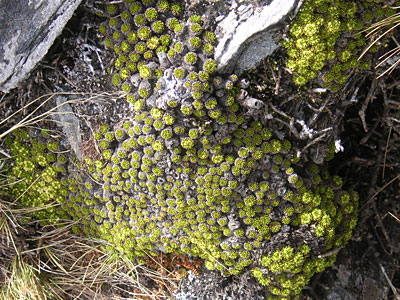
[[245, 35], [27, 30], [190, 170]]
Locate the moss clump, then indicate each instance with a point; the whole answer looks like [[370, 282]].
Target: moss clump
[[219, 199], [35, 173], [325, 39], [190, 173]]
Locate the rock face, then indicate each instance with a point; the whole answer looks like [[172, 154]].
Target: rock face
[[27, 30], [213, 285], [245, 34], [70, 125]]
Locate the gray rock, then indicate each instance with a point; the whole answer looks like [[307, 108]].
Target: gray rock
[[353, 281], [69, 123], [212, 285], [339, 293], [245, 35], [27, 30], [255, 52]]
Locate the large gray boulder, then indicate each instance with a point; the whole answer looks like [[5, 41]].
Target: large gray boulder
[[27, 30]]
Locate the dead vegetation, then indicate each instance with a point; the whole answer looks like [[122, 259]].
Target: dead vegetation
[[50, 262]]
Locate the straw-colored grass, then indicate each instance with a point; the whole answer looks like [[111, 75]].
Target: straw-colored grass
[[380, 30], [53, 263]]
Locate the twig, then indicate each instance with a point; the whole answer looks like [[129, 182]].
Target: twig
[[370, 94], [330, 253], [373, 183], [385, 115], [394, 290], [383, 228], [318, 111], [58, 73], [370, 132], [290, 125], [380, 190], [314, 141], [278, 82]]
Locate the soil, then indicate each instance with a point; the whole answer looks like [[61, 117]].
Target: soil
[[368, 267]]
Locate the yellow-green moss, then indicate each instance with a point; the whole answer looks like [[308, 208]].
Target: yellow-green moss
[[193, 174], [326, 39]]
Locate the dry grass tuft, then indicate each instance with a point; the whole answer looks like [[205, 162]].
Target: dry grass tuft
[[52, 263], [380, 30]]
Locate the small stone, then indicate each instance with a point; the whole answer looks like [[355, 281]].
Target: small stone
[[245, 35]]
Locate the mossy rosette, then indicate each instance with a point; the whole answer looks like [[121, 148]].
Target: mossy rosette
[[43, 175], [34, 172], [327, 37], [189, 172]]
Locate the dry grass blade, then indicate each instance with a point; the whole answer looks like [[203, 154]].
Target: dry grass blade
[[7, 233], [34, 118], [23, 283], [393, 216], [391, 23], [384, 58], [80, 266], [9, 225]]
